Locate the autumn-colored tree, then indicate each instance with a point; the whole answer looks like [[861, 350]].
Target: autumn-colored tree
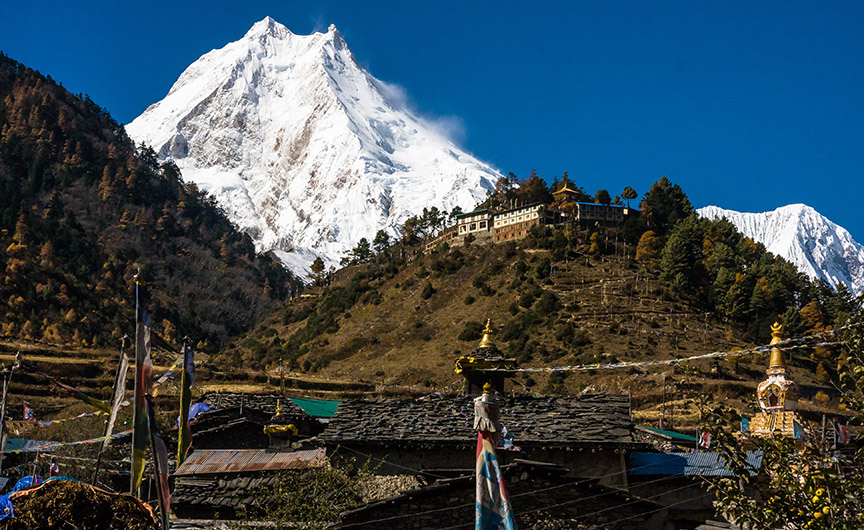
[[594, 247], [813, 317], [648, 249]]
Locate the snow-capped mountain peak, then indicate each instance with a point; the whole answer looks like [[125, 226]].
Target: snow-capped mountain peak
[[304, 149], [817, 246]]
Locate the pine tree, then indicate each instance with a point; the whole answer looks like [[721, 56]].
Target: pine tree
[[381, 241], [317, 268], [362, 252]]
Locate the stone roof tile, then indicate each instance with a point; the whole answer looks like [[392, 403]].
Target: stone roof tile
[[595, 418]]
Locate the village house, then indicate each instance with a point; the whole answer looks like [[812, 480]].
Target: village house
[[590, 213], [478, 221], [515, 223], [540, 493], [217, 483], [589, 435]]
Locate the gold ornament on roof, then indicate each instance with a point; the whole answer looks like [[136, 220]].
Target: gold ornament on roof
[[486, 341], [487, 388], [777, 365]]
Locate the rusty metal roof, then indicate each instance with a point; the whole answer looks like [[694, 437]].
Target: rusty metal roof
[[209, 461]]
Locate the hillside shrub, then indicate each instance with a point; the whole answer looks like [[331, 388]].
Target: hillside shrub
[[548, 303], [472, 331]]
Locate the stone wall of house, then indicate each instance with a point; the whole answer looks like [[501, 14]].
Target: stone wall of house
[[570, 504], [606, 464]]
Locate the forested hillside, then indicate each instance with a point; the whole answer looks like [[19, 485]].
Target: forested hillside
[[82, 210], [664, 284]]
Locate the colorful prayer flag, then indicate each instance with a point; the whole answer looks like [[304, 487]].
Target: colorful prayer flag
[[281, 377], [841, 434], [493, 511], [116, 399], [160, 464], [745, 424], [143, 386], [93, 402], [705, 440], [184, 440], [798, 431], [28, 413]]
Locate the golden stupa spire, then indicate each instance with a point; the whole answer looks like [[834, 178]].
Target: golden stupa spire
[[778, 361], [486, 341]]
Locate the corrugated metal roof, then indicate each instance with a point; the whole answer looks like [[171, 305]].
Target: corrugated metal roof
[[208, 461], [687, 464]]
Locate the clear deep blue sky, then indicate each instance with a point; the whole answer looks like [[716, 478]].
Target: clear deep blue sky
[[747, 105]]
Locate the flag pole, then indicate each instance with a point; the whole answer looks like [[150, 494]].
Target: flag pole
[[116, 397], [132, 484], [160, 466], [143, 386], [184, 432], [7, 375]]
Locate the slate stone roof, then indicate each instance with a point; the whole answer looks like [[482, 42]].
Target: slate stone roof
[[265, 403], [225, 492], [435, 420]]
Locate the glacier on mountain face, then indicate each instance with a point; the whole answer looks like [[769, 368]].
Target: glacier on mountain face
[[817, 246], [303, 149]]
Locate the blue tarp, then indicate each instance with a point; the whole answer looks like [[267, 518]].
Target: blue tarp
[[194, 410], [6, 507], [25, 482], [62, 477]]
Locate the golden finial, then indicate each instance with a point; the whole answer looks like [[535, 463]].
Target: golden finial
[[278, 407], [778, 362], [486, 341], [487, 388]]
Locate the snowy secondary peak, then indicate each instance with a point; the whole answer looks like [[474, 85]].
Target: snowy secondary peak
[[305, 150], [817, 246]]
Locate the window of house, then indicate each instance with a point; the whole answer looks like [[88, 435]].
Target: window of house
[[482, 224], [473, 226]]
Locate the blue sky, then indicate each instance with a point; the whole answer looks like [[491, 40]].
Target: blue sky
[[747, 105]]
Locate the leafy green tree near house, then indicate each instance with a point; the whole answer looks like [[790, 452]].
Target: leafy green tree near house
[[602, 197], [664, 205]]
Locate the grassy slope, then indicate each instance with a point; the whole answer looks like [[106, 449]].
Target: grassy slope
[[624, 311]]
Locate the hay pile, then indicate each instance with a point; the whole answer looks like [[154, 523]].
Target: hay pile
[[77, 506]]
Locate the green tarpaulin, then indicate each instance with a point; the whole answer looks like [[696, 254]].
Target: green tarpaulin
[[671, 434], [317, 408]]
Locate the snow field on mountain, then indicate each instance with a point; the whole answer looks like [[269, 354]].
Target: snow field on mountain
[[303, 149]]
